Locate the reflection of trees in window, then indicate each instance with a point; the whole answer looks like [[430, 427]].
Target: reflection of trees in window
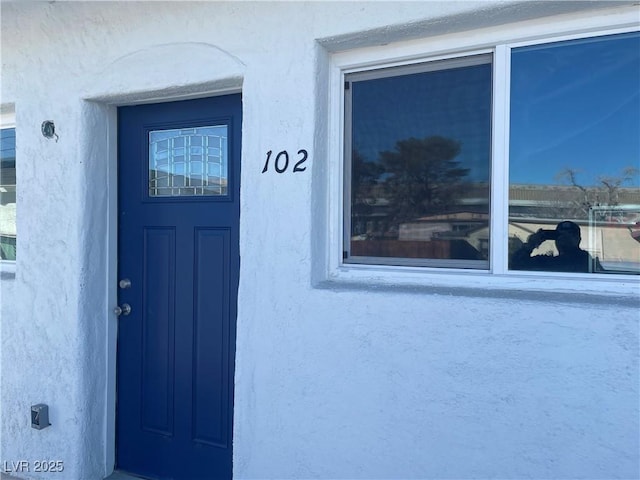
[[424, 177], [419, 177], [365, 177], [609, 191], [572, 198], [606, 193]]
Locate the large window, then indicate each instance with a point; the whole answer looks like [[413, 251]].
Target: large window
[[420, 158], [574, 194], [7, 194], [424, 185]]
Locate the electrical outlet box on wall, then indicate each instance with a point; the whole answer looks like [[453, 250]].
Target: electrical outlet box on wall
[[40, 416]]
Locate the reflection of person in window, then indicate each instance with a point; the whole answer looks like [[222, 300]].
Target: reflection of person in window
[[570, 258]]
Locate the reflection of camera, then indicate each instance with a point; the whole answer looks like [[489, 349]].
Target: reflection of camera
[[549, 234]]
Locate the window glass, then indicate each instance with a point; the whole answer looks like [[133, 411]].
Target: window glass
[[574, 194], [8, 194], [418, 164], [188, 162]]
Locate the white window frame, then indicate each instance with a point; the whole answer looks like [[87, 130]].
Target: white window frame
[[8, 120], [498, 41]]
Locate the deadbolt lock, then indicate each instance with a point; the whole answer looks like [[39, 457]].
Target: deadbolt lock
[[124, 283], [124, 310]]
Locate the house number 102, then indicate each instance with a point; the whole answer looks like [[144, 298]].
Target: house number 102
[[281, 162]]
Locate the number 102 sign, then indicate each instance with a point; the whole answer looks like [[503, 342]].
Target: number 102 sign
[[281, 161]]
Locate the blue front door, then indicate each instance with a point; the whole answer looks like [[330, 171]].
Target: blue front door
[[178, 268]]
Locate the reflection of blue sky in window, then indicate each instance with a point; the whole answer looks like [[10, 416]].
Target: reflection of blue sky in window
[[575, 105], [8, 194], [453, 103], [8, 147], [205, 144]]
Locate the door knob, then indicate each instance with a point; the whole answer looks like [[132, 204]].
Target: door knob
[[124, 309]]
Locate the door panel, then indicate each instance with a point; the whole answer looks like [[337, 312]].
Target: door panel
[[158, 330], [178, 206], [210, 349]]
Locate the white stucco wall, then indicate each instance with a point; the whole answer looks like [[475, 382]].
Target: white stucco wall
[[333, 380]]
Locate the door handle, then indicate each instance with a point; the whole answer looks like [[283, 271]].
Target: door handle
[[124, 310]]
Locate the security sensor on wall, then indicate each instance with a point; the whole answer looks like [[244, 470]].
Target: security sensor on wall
[[48, 129]]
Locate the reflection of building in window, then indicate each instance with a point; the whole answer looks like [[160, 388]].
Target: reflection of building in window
[[8, 194], [614, 236], [607, 231], [563, 201]]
